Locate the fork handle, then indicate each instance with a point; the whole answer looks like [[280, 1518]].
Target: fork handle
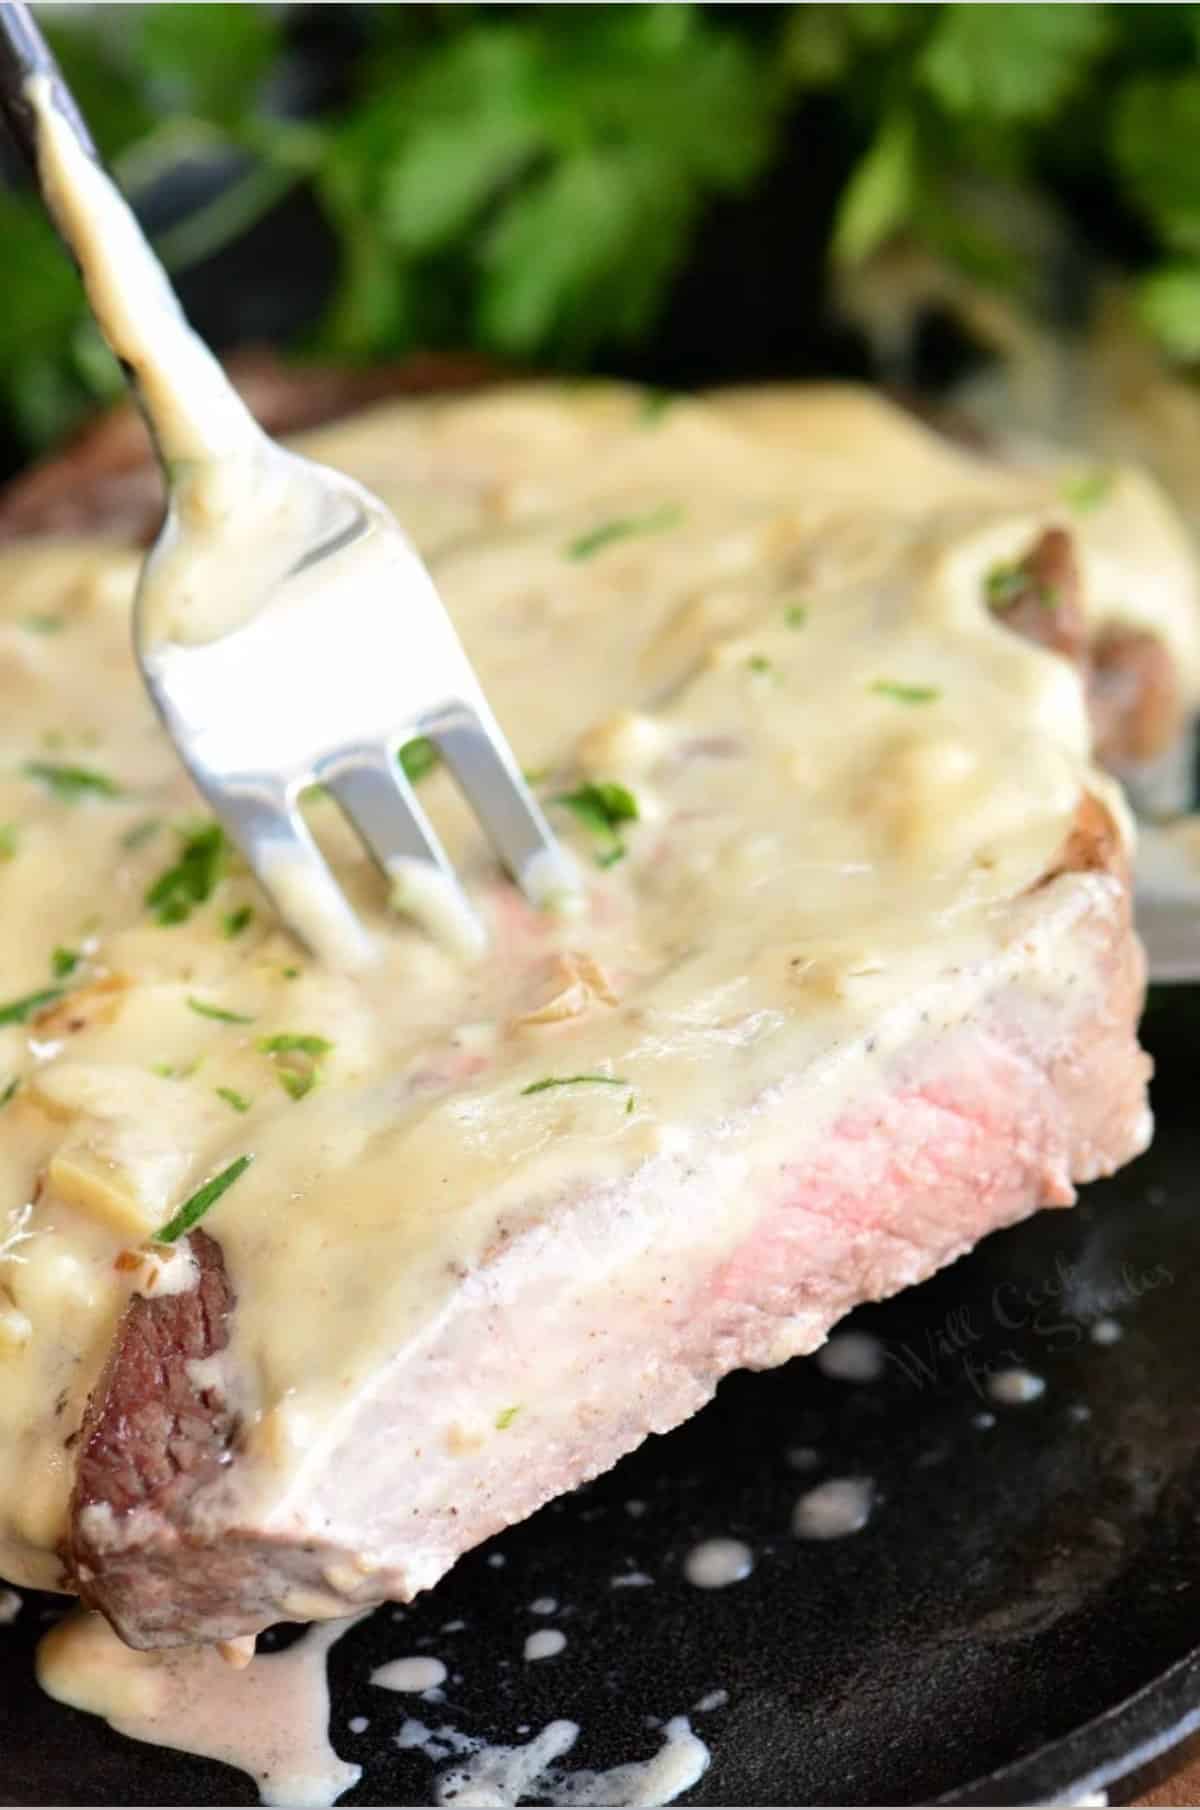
[[24, 52]]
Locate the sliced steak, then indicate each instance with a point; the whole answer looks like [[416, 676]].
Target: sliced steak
[[981, 1118]]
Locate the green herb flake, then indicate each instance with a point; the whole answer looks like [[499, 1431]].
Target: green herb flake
[[549, 1081], [906, 694], [17, 1011], [1005, 586], [796, 615], [506, 1417], [194, 877], [653, 405], [285, 1042], [600, 806], [290, 973], [234, 922], [64, 962], [70, 783], [204, 1010], [9, 1091], [624, 527], [43, 625], [1086, 490], [418, 758], [233, 1098], [194, 1208], [140, 833], [8, 841], [296, 1056], [297, 1082], [758, 663]]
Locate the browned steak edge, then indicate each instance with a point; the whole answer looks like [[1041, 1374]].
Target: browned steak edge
[[1133, 691]]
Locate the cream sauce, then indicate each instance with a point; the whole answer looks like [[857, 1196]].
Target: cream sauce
[[851, 1357], [494, 1777], [844, 768], [269, 1719], [1015, 1386], [715, 1564], [1107, 1331], [416, 1673], [545, 1643], [834, 1509]]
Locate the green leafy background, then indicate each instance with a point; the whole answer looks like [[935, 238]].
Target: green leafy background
[[530, 180]]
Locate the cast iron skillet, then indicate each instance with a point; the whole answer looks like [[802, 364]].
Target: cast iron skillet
[[1017, 1623]]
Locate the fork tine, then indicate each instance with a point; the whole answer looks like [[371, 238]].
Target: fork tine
[[474, 748], [290, 867], [379, 800]]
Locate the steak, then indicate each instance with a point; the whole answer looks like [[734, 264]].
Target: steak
[[971, 1127], [606, 1299]]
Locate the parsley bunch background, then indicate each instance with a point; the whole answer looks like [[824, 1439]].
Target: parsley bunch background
[[623, 188]]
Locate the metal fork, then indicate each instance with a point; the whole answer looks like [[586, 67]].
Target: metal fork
[[286, 628]]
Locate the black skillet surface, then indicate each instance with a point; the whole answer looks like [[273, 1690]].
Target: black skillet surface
[[1014, 1623]]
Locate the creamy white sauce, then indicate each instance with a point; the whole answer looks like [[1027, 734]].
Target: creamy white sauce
[[270, 1719], [712, 1700], [1107, 1331], [852, 1357], [415, 1673], [543, 1605], [715, 1564], [494, 1777], [546, 1643], [1014, 1386], [631, 1580], [358, 1725], [838, 1507]]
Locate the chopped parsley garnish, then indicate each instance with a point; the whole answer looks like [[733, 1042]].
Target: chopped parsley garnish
[[549, 1081], [194, 877], [796, 615], [204, 1010], [18, 1010], [297, 1057], [290, 973], [64, 962], [906, 694], [71, 783], [198, 1204], [234, 922], [233, 1098], [141, 833], [285, 1042], [506, 1417], [1087, 490], [758, 663], [417, 758], [654, 405], [43, 625], [9, 1091], [8, 841], [623, 527], [1007, 585], [600, 805]]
